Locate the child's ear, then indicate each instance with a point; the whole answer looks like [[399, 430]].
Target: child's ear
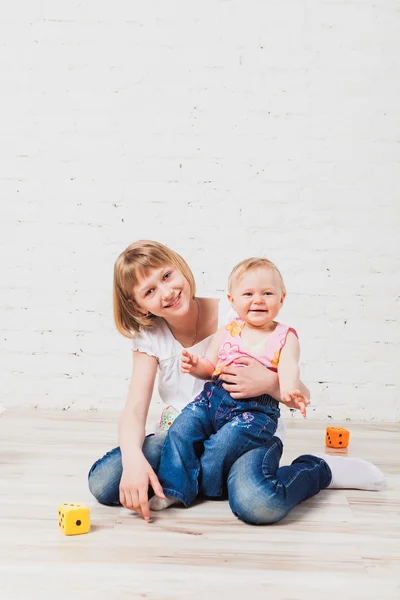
[[231, 300], [283, 298]]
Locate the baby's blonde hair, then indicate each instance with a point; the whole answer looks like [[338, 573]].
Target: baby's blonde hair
[[134, 263], [253, 263]]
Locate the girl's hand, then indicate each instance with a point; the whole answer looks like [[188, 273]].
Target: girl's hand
[[134, 485], [251, 379], [295, 399], [188, 362]]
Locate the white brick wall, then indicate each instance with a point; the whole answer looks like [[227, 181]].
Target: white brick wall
[[224, 129]]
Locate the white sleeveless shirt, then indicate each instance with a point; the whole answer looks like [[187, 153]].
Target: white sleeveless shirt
[[176, 388]]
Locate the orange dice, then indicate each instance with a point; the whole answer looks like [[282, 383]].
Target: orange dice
[[337, 437]]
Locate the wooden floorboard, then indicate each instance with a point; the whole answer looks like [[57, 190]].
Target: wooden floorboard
[[341, 542]]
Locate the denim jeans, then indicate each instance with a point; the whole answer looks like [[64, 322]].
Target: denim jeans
[[209, 436], [260, 492]]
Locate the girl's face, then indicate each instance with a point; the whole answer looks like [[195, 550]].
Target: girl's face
[[257, 296], [164, 292]]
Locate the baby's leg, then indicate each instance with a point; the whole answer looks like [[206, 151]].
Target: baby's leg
[[244, 432], [180, 464]]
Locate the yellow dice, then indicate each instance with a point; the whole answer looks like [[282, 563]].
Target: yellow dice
[[73, 519]]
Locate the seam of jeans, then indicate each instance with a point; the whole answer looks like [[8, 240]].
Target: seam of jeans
[[216, 428], [266, 455], [270, 420], [302, 471], [243, 448], [295, 476]]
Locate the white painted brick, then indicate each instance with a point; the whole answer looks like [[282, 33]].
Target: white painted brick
[[228, 131]]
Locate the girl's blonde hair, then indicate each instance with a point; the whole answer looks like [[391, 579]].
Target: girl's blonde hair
[[134, 263], [253, 263]]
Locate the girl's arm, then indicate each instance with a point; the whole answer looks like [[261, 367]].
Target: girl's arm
[[202, 368], [137, 473], [132, 423], [254, 380]]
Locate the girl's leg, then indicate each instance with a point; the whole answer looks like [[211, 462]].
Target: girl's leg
[[105, 475], [260, 492]]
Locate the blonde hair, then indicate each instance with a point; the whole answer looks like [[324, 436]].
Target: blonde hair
[[135, 262], [253, 263]]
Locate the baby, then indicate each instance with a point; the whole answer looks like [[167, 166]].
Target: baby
[[214, 429]]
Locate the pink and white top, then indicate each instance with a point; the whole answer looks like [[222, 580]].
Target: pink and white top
[[267, 352]]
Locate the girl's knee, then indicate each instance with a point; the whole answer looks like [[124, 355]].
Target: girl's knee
[[255, 508], [152, 448], [103, 480], [104, 490], [254, 499]]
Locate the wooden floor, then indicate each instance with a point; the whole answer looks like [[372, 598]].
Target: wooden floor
[[343, 544]]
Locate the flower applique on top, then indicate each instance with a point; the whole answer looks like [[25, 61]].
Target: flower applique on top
[[168, 416], [267, 352]]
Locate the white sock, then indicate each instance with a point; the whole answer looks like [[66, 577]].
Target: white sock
[[156, 503], [354, 473]]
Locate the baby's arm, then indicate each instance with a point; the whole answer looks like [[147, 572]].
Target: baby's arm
[[289, 374], [202, 368]]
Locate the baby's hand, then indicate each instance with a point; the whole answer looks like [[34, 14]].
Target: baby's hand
[[295, 399], [188, 362]]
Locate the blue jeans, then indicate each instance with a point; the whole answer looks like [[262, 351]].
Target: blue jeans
[[260, 492], [209, 436]]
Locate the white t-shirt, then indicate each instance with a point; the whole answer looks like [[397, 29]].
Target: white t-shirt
[[176, 388]]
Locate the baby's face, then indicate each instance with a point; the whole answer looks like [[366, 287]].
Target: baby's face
[[257, 296]]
